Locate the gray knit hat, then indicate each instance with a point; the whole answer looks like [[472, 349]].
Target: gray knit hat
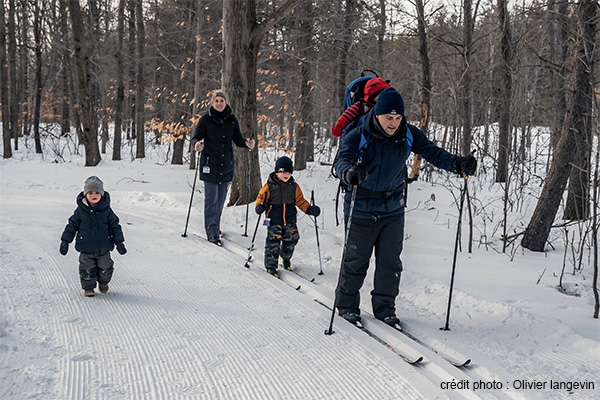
[[93, 183]]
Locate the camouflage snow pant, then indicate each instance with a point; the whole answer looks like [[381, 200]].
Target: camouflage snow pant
[[281, 241], [93, 268]]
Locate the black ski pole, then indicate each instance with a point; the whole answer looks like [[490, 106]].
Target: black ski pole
[[248, 191], [354, 190], [253, 237], [312, 201], [462, 200], [184, 234]]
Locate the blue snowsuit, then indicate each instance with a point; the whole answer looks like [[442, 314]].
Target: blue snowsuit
[[378, 213]]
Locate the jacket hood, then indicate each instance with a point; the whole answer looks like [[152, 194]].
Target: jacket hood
[[102, 204], [274, 179]]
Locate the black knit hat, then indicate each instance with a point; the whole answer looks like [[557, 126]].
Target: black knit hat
[[389, 102], [284, 164]]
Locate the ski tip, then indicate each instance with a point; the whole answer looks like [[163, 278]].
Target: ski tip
[[416, 360]]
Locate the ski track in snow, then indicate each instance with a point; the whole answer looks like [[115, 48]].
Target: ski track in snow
[[180, 324], [177, 349]]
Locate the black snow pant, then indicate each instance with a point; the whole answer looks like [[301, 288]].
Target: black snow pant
[[386, 235], [93, 268], [281, 241]]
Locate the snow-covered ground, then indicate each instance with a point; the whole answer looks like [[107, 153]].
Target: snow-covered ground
[[185, 320]]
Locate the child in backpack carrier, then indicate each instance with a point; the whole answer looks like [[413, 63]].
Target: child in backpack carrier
[[373, 88], [279, 197], [97, 229]]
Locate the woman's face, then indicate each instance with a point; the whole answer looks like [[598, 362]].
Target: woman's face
[[219, 103]]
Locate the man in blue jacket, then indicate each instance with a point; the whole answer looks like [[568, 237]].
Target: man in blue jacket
[[372, 161]]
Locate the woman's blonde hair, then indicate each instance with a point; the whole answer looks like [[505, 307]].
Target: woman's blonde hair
[[217, 93]]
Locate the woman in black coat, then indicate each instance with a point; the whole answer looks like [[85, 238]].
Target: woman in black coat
[[215, 132]]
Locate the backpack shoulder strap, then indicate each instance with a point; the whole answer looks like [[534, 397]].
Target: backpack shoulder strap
[[364, 142], [409, 138]]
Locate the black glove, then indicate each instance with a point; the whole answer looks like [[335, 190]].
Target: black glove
[[121, 248], [64, 247], [315, 211], [260, 209], [466, 165], [355, 175]]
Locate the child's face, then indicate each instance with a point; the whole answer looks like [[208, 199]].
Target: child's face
[[284, 176], [93, 197]]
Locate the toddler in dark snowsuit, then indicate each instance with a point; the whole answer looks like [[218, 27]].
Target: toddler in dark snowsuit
[[98, 231], [279, 197]]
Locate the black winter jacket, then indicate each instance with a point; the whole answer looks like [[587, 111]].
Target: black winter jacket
[[97, 228], [218, 130], [281, 199], [385, 160]]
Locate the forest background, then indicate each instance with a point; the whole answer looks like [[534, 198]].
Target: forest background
[[70, 69]]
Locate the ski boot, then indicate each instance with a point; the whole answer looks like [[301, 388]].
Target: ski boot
[[273, 271], [287, 264]]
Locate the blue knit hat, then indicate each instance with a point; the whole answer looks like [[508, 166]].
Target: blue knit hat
[[284, 164], [389, 102]]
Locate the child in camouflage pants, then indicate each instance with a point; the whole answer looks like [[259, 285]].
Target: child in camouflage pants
[[279, 197]]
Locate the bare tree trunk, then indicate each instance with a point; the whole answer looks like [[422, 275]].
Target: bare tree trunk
[[381, 37], [506, 93], [345, 48], [132, 131], [595, 234], [6, 131], [37, 35], [120, 83], [425, 84], [12, 74], [65, 124], [198, 72], [578, 196], [559, 73], [24, 66], [537, 231], [305, 131], [241, 38], [465, 104], [140, 114], [82, 86]]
